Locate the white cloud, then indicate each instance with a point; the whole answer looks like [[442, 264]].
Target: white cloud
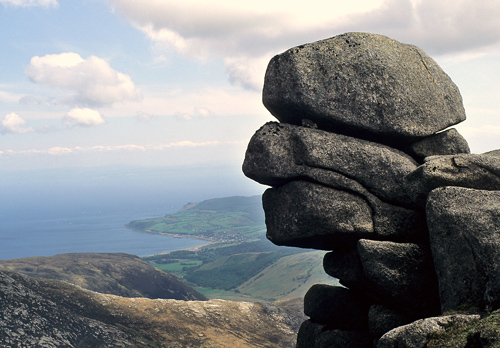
[[30, 3], [247, 34], [59, 150], [7, 97], [13, 123], [83, 117], [92, 80]]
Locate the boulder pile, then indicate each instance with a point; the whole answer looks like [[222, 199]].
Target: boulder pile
[[363, 164]]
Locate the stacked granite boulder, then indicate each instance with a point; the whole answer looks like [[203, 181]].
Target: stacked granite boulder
[[363, 164]]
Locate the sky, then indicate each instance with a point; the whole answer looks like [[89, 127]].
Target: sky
[[178, 83]]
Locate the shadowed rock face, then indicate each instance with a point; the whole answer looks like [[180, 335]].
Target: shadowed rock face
[[363, 84], [464, 231]]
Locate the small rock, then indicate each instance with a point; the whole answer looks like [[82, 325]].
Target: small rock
[[336, 306], [317, 335], [449, 142]]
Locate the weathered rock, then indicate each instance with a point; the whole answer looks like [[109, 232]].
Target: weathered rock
[[382, 319], [449, 142], [464, 231], [363, 83], [308, 215], [480, 172], [279, 153], [315, 335], [345, 265], [417, 334], [401, 275], [338, 307]]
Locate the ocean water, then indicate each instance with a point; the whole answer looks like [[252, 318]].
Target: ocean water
[[44, 213]]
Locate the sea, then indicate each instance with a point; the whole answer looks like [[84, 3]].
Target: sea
[[49, 212]]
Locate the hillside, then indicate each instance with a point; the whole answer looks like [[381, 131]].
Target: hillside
[[227, 219], [50, 313], [109, 273], [289, 277]]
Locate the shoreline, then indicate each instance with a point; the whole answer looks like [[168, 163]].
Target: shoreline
[[174, 235]]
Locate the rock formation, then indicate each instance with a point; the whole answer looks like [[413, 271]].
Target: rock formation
[[363, 164]]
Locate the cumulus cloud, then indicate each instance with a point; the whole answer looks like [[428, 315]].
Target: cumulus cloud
[[246, 34], [92, 80], [83, 117], [30, 3], [13, 123]]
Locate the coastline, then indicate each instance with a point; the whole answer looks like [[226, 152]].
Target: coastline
[[174, 235]]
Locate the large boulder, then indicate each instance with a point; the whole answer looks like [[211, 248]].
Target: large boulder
[[363, 83], [278, 153], [401, 275], [464, 231], [418, 333], [308, 215]]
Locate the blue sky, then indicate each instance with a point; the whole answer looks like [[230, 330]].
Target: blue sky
[[173, 83]]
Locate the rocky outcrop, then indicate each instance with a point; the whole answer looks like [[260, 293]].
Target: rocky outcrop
[[51, 313], [362, 164]]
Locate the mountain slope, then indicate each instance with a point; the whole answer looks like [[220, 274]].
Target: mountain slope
[[289, 277], [109, 273], [41, 312]]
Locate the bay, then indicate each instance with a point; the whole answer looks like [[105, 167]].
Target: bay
[[50, 212]]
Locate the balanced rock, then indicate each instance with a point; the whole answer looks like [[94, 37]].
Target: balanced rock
[[401, 274], [464, 231], [365, 84]]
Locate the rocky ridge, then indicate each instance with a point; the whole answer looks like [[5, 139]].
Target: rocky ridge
[[109, 273], [51, 313], [363, 165]]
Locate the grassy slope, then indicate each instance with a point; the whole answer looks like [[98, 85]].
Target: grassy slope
[[290, 277]]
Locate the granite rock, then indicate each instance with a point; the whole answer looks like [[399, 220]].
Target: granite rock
[[401, 275], [336, 306], [319, 335], [465, 240], [417, 334], [364, 83], [448, 142], [309, 215]]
